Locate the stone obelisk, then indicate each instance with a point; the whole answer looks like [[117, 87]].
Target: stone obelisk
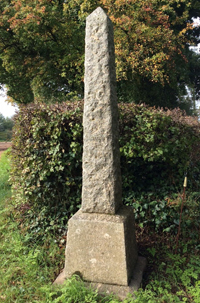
[[101, 245]]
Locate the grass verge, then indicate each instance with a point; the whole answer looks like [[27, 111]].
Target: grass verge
[[24, 270], [4, 175]]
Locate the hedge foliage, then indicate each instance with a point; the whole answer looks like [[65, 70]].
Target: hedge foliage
[[157, 148]]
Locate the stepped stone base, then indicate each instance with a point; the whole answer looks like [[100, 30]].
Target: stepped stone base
[[120, 291]]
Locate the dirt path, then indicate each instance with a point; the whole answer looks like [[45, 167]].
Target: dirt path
[[4, 146]]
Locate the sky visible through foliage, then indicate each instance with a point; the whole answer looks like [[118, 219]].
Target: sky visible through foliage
[[7, 110]]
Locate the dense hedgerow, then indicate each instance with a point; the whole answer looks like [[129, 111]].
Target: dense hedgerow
[[46, 164], [157, 148]]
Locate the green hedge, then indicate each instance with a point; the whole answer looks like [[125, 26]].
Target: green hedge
[[157, 147]]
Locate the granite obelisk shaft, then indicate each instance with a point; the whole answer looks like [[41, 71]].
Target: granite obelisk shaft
[[101, 190]]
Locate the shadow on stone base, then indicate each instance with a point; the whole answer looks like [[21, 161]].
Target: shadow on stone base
[[118, 290]]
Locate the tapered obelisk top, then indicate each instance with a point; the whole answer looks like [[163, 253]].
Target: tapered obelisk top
[[101, 190], [97, 13]]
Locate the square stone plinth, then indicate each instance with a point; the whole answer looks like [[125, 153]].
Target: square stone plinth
[[102, 248]]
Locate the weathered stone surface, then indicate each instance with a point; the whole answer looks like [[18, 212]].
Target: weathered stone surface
[[102, 248], [119, 290], [101, 191]]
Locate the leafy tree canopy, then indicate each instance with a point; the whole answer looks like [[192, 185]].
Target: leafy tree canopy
[[42, 47]]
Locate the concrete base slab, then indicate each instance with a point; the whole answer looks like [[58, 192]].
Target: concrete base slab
[[120, 291]]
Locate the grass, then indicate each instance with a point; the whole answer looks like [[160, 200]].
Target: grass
[[4, 175], [23, 270], [28, 270]]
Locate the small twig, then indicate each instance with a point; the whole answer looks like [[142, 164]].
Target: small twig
[[179, 227]]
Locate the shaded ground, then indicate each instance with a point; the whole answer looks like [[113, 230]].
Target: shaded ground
[[4, 146]]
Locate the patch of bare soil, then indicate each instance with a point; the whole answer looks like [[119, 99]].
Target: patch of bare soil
[[4, 146]]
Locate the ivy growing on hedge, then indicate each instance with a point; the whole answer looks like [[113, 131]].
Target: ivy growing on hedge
[[157, 147]]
